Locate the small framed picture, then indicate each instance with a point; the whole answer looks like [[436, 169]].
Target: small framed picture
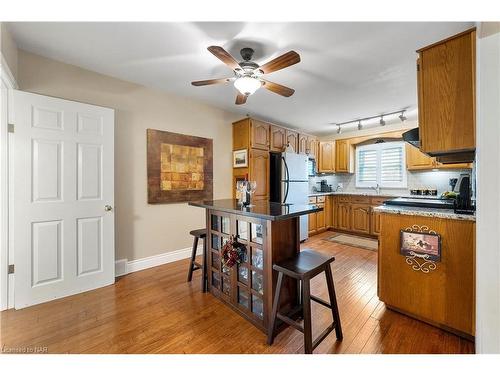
[[240, 158], [421, 243]]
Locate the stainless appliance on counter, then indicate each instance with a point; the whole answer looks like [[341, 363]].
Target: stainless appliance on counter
[[289, 183], [324, 187], [463, 202]]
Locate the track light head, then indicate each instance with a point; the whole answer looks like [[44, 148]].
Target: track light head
[[402, 116], [339, 130], [359, 125], [382, 121]]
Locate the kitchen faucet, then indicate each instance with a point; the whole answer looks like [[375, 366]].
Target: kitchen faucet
[[376, 188]]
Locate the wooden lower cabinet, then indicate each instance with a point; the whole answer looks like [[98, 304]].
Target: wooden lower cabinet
[[320, 219], [445, 296], [375, 223], [311, 220], [346, 213], [344, 216], [360, 218], [329, 211]]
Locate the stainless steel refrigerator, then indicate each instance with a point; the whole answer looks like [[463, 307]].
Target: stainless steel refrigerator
[[289, 183]]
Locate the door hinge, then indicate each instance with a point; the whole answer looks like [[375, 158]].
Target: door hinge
[[11, 269], [11, 128]]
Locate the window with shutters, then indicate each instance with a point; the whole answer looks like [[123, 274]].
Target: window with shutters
[[381, 163]]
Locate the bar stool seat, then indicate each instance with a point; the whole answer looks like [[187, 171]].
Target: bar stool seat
[[200, 233], [193, 264], [303, 267], [307, 263]]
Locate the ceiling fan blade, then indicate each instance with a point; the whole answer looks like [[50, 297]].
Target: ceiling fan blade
[[277, 88], [210, 81], [241, 99], [280, 62], [224, 56]]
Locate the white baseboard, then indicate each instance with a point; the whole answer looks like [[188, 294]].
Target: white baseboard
[[123, 266]]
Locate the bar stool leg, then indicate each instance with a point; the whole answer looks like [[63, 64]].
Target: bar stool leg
[[272, 324], [306, 306], [204, 268], [333, 302], [193, 256]]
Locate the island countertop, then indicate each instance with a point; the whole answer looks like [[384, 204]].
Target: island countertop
[[424, 211], [259, 209]]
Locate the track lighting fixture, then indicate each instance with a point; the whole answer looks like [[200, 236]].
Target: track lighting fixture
[[381, 121]]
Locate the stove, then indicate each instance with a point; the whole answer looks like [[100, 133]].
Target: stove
[[422, 202]]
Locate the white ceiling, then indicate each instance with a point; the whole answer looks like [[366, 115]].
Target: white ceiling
[[347, 70]]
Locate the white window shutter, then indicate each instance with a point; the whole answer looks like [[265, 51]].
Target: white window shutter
[[367, 166], [381, 163], [391, 163]]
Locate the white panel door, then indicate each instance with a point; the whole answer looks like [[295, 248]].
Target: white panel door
[[63, 198]]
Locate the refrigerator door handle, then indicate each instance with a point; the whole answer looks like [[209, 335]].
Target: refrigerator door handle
[[287, 181]]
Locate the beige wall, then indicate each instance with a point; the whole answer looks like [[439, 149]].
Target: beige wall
[[141, 230], [8, 48]]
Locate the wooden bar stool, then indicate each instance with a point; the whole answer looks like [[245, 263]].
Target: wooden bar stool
[[193, 264], [304, 267]]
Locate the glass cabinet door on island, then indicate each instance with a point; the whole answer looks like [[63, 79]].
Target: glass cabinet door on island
[[242, 285]]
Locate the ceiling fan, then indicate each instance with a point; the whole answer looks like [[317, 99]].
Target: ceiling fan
[[248, 74]]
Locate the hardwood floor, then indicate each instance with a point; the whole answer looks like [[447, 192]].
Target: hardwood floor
[[156, 311]]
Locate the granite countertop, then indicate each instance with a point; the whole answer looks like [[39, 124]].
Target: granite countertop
[[422, 211], [319, 194], [259, 209]]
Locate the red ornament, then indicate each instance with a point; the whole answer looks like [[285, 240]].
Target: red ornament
[[231, 252]]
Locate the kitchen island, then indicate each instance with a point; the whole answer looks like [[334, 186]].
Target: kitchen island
[[268, 233]]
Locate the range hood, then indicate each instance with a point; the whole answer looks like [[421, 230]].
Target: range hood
[[413, 138]]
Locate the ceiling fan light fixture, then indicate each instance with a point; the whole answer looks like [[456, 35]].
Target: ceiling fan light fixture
[[247, 85]]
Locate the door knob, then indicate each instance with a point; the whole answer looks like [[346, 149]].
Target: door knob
[[107, 207]]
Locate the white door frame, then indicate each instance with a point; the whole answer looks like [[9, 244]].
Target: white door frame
[[6, 282]]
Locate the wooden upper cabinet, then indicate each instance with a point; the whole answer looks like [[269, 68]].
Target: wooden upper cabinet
[[326, 156], [343, 156], [446, 75], [278, 138], [259, 135], [259, 172], [241, 134], [292, 138], [302, 144], [415, 159], [312, 147]]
